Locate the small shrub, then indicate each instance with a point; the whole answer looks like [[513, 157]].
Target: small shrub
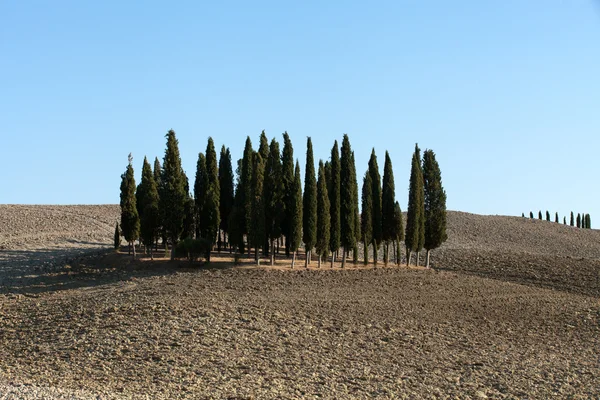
[[192, 249]]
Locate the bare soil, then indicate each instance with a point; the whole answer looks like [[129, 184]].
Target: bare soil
[[511, 309]]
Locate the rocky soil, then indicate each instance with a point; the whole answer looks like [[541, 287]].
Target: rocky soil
[[101, 325]]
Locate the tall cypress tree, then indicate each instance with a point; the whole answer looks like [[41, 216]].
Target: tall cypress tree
[[399, 230], [531, 214], [589, 221], [334, 201], [388, 200], [367, 215], [415, 219], [357, 233], [246, 187], [572, 221], [211, 218], [579, 220], [130, 221], [295, 237], [309, 223], [540, 215], [149, 218], [200, 190], [157, 172], [323, 215], [547, 215], [556, 217], [273, 194], [435, 204], [287, 177], [226, 191], [257, 231], [347, 212], [564, 220], [376, 196], [189, 211]]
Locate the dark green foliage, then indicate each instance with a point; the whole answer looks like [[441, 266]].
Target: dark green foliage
[[287, 176], [212, 167], [399, 224], [579, 220], [523, 215], [376, 196], [564, 220], [415, 220], [435, 202], [388, 201], [192, 249], [556, 218], [588, 221], [263, 146], [334, 199], [531, 214], [295, 234], [347, 212], [309, 223], [540, 214], [210, 216], [225, 187], [148, 204], [572, 222], [117, 238], [245, 182], [172, 194], [273, 192], [323, 213], [354, 180], [189, 217], [200, 189], [367, 211], [257, 231], [157, 172], [130, 221], [547, 215]]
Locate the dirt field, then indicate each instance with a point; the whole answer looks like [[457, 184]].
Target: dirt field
[[510, 310]]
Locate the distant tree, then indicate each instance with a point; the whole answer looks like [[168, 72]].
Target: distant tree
[[347, 212], [579, 220], [295, 237], [565, 220], [388, 201], [273, 194], [257, 229], [226, 192], [588, 219], [200, 190], [130, 221], [547, 216], [287, 178], [117, 242], [435, 204], [399, 230], [334, 201], [172, 194], [572, 221], [323, 215], [309, 223], [367, 215], [540, 215], [415, 220], [531, 214], [148, 204], [523, 215], [556, 218], [376, 196], [355, 205]]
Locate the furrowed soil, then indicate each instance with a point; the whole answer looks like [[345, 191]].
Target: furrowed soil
[[510, 309]]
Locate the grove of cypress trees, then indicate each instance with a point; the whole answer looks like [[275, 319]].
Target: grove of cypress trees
[[357, 233], [148, 200], [376, 198], [399, 230], [435, 204], [309, 215], [547, 215], [295, 234], [323, 215], [257, 231], [117, 237], [347, 212], [130, 221], [334, 201], [226, 191], [172, 194], [273, 194], [200, 190], [287, 177], [415, 220], [367, 215], [572, 221], [388, 201]]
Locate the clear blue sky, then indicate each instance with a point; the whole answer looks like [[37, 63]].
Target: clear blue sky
[[507, 93]]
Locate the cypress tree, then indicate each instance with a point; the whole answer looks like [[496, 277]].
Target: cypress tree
[[388, 201], [246, 187], [547, 215], [572, 221], [347, 212], [540, 215], [295, 237], [273, 194], [257, 231], [399, 230], [309, 223], [367, 215], [172, 194], [556, 217], [334, 202], [523, 215], [130, 221], [157, 171], [589, 221], [157, 174], [357, 233], [564, 220], [435, 204], [210, 216], [148, 200], [415, 219], [189, 213], [117, 242], [531, 214], [323, 214], [263, 147], [287, 177], [226, 191], [200, 190], [376, 196], [579, 220]]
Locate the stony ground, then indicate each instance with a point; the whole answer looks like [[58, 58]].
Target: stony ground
[[105, 326]]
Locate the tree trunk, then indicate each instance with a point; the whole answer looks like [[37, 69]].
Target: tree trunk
[[319, 261], [272, 252], [344, 257], [134, 250], [395, 252], [386, 253], [293, 259], [256, 258], [332, 258], [427, 259], [375, 255], [129, 249], [366, 251], [408, 255], [151, 254]]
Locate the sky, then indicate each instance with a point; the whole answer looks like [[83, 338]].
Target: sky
[[506, 93]]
